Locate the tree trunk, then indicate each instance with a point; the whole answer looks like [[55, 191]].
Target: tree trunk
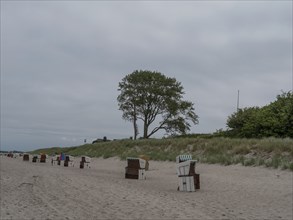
[[135, 124], [145, 129], [135, 129]]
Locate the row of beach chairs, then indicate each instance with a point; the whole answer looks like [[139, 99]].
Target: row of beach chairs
[[188, 179], [65, 160], [36, 158], [68, 160]]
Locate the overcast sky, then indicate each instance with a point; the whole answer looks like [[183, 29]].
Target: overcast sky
[[61, 63]]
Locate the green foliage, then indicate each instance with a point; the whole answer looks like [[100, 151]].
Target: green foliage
[[145, 95], [54, 150], [273, 120]]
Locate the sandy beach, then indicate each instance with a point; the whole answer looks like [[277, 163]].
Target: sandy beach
[[42, 191]]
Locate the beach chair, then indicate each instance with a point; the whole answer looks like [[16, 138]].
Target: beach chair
[[182, 158], [146, 158], [135, 168], [85, 162], [69, 161], [188, 179], [26, 157], [186, 168], [55, 160], [35, 159], [43, 158]]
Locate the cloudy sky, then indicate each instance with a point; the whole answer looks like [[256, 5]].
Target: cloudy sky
[[61, 62]]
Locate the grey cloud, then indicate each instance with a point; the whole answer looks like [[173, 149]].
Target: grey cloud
[[61, 62]]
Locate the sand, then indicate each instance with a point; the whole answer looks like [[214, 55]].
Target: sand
[[42, 191]]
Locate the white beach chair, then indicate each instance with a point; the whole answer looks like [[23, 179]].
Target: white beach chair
[[185, 169], [55, 160]]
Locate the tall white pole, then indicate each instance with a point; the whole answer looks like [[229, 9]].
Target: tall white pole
[[238, 101]]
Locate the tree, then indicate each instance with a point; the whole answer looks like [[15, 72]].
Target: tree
[[282, 112], [275, 119], [145, 95], [240, 122]]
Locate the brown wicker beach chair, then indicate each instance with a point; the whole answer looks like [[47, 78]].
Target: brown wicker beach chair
[[135, 168]]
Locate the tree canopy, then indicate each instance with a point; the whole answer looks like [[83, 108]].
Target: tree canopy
[[146, 95], [275, 119]]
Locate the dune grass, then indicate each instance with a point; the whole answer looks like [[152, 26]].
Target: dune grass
[[267, 152]]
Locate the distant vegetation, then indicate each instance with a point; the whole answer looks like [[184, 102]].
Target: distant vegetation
[[267, 152], [255, 137], [273, 120]]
